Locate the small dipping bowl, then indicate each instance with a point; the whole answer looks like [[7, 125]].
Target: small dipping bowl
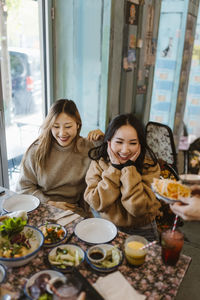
[[96, 254], [133, 252]]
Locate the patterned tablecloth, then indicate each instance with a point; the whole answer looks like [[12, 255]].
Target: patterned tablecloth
[[153, 278]]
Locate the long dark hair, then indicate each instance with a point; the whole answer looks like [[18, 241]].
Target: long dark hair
[[121, 120]]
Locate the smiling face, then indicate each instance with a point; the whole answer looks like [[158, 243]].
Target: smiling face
[[64, 129], [125, 143]]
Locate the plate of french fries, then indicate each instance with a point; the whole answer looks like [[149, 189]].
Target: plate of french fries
[[169, 190]]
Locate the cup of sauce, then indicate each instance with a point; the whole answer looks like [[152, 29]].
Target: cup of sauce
[[96, 254]]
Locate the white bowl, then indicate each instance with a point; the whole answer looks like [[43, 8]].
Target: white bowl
[[190, 178], [53, 274], [96, 254], [2, 273], [36, 242], [58, 265], [51, 225]]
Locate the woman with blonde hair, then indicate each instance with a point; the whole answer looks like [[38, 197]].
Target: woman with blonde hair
[[54, 166]]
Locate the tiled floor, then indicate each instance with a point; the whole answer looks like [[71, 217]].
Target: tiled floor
[[190, 286]]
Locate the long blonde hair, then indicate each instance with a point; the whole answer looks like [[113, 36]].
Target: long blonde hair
[[46, 138]]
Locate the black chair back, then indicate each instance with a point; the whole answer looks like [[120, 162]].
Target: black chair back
[[159, 138]]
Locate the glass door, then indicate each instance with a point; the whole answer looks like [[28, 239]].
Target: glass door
[[21, 76]]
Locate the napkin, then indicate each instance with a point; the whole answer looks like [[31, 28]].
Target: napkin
[[68, 219], [115, 287]]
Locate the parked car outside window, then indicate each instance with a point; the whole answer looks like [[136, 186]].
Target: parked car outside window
[[26, 80]]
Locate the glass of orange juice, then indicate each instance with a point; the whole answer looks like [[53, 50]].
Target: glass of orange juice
[[133, 252]]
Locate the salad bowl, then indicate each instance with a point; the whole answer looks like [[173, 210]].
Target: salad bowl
[[21, 248], [2, 273]]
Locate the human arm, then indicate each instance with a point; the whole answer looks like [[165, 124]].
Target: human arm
[[190, 208], [95, 135], [103, 185], [137, 196], [28, 178]]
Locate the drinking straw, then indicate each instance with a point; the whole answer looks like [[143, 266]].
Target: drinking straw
[[148, 245], [175, 221]]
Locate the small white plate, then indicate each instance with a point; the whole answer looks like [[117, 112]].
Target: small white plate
[[190, 178], [20, 202], [95, 231]]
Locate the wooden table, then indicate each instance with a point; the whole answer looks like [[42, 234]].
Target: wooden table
[[153, 278]]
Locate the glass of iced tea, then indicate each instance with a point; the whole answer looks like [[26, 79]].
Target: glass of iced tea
[[172, 243]]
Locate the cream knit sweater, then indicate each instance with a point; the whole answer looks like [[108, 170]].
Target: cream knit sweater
[[63, 179]]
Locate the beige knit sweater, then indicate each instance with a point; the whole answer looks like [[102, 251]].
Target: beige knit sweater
[[122, 196], [63, 180]]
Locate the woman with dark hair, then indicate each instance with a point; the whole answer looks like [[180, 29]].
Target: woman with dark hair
[[54, 166], [120, 176]]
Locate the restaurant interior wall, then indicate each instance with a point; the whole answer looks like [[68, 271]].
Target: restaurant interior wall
[[118, 69], [192, 109], [173, 61], [81, 34], [134, 29]]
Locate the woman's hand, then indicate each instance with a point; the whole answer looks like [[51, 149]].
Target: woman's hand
[[135, 156], [113, 158], [95, 135]]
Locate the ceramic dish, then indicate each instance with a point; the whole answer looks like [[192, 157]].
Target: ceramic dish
[[51, 274], [2, 273], [165, 199], [190, 178], [36, 241], [20, 202], [95, 231], [66, 257], [54, 234], [106, 265], [96, 254]]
